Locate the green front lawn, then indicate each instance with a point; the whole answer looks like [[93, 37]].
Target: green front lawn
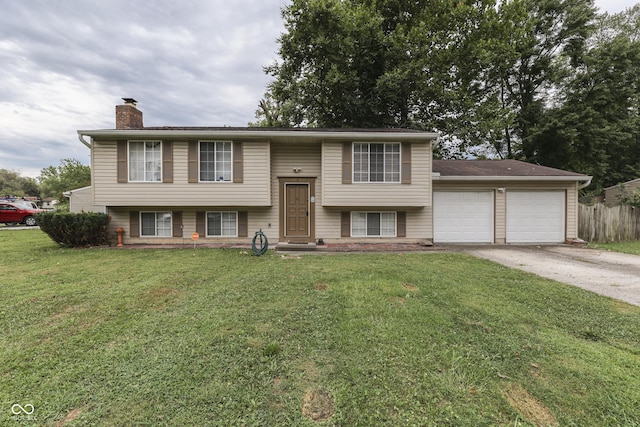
[[626, 247], [219, 337]]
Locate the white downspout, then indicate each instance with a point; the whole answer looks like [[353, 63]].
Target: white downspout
[[585, 184], [88, 145]]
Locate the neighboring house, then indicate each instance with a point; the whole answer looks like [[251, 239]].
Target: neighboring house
[[49, 203], [613, 194], [81, 200], [161, 184]]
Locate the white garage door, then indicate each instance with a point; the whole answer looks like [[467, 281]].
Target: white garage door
[[463, 216], [535, 216]]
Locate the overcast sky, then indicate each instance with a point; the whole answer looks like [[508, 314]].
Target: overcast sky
[[65, 64]]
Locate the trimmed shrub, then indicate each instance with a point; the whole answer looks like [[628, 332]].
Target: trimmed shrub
[[74, 230]]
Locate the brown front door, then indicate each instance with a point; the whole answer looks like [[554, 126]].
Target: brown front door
[[297, 202]]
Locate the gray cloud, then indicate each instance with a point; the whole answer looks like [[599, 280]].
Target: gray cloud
[[66, 64]]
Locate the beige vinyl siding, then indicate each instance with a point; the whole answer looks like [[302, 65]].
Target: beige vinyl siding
[[328, 227], [572, 212], [392, 195], [500, 212], [254, 191], [287, 156], [419, 226], [258, 219], [570, 189], [308, 157], [81, 200]]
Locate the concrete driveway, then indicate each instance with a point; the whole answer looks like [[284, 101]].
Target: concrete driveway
[[612, 274]]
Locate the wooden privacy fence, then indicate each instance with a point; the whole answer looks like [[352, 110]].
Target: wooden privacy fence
[[603, 224]]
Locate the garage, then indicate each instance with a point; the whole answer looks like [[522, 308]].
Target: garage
[[463, 216], [535, 216]]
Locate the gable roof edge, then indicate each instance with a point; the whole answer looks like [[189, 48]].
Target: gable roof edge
[[496, 178], [255, 134]]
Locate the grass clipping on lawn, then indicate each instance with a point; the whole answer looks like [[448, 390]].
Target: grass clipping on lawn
[[317, 404], [529, 407]]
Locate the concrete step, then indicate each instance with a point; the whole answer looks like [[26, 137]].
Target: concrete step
[[287, 246]]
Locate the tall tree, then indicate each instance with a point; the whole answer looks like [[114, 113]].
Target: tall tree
[[68, 175], [478, 72], [551, 42], [595, 126], [330, 61], [387, 63]]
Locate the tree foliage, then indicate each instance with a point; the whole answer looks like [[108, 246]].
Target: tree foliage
[[630, 196], [70, 174], [546, 81], [595, 125], [387, 63], [550, 42], [14, 184]]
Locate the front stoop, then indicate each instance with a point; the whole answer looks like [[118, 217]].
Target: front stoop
[[286, 246]]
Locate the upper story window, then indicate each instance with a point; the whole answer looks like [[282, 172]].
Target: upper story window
[[215, 161], [145, 161], [376, 162]]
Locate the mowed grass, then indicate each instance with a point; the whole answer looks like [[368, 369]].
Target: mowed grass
[[184, 337], [626, 247]]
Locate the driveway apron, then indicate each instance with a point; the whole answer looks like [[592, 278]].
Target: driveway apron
[[611, 274]]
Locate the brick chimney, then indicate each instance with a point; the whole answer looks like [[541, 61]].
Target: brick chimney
[[128, 116]]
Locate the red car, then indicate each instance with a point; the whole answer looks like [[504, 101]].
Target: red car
[[12, 213]]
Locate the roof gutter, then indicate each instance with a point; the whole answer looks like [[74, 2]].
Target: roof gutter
[[255, 134], [88, 145], [585, 183], [476, 178]]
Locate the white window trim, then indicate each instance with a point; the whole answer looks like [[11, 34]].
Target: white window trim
[[156, 224], [395, 224], [215, 141], [368, 181], [129, 161], [206, 224]]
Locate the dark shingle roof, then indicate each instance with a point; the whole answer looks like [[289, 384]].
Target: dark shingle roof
[[292, 129], [505, 168]]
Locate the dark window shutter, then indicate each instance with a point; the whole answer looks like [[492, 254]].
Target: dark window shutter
[[134, 223], [201, 223], [401, 219], [243, 224], [167, 161], [192, 161], [406, 163], [238, 175], [123, 173], [176, 216], [345, 224], [346, 163]]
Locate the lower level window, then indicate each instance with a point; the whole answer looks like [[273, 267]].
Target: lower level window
[[156, 224], [365, 224], [222, 224]]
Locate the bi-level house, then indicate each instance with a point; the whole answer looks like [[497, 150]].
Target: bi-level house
[[162, 184]]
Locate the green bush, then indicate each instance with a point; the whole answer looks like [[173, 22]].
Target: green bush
[[630, 196], [72, 230]]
